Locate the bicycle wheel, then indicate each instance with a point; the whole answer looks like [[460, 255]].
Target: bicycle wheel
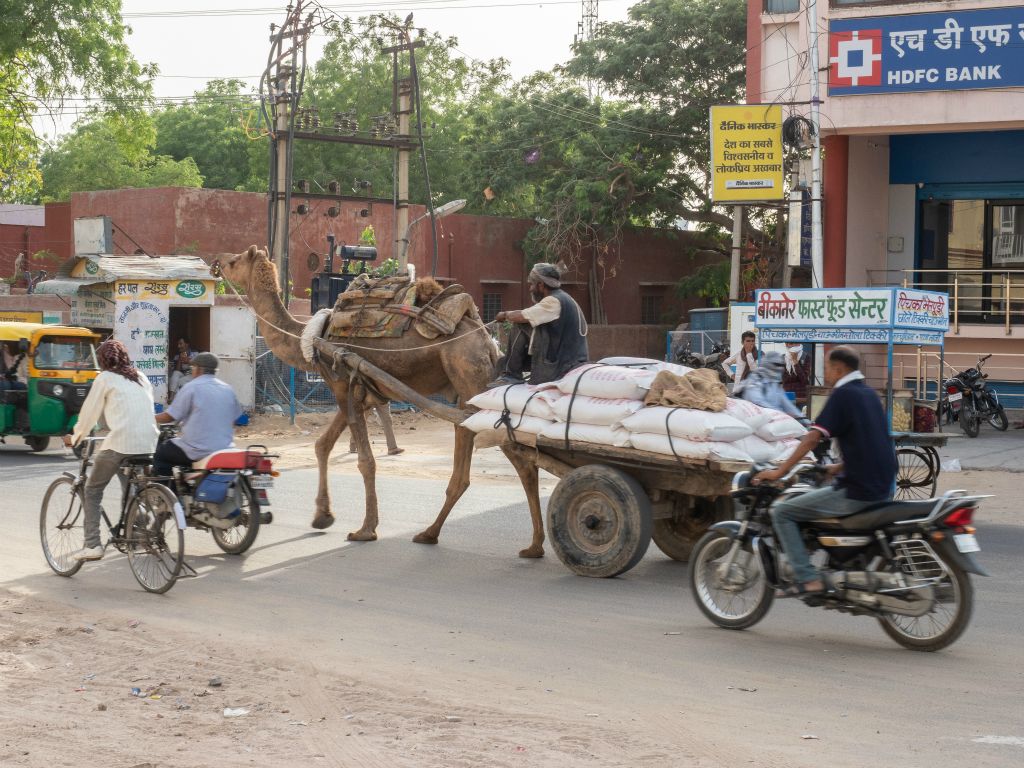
[[154, 542], [62, 526], [915, 475], [240, 537]]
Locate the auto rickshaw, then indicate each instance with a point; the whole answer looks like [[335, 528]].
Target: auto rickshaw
[[43, 390]]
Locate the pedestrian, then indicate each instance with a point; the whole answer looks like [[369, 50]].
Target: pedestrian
[[745, 359]]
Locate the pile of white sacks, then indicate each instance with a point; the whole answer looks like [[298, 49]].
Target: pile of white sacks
[[603, 403]]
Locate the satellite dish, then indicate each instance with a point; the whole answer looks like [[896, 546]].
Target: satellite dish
[[313, 262]]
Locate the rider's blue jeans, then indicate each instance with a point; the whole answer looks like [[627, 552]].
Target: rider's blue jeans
[[813, 505]]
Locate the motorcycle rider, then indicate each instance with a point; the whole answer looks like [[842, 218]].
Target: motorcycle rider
[[854, 416], [764, 386], [122, 398], [206, 408]]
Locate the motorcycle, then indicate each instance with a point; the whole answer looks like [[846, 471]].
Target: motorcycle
[[968, 398], [226, 493], [713, 360], [907, 563]]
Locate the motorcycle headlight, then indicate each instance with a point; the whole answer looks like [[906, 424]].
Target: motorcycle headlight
[[58, 390]]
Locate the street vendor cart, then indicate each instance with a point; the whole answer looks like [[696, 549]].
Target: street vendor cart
[[878, 316]]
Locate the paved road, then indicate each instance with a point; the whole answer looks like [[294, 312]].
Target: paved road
[[469, 620]]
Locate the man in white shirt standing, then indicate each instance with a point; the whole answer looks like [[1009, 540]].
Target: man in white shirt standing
[[550, 338], [123, 399]]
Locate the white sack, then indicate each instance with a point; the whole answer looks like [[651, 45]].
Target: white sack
[[594, 410], [535, 400], [688, 423], [647, 364], [761, 450], [781, 427], [754, 416], [687, 449], [608, 381], [588, 433], [483, 421]]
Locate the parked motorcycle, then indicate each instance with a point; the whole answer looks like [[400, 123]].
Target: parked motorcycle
[[713, 360], [904, 563], [225, 493], [968, 398]]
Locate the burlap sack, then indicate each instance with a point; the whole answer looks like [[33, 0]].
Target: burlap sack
[[698, 389]]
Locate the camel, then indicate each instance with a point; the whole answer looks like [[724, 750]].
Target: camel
[[464, 365]]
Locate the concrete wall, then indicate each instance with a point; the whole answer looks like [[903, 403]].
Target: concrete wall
[[867, 208], [902, 223]]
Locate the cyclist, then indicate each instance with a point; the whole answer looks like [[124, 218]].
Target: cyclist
[[123, 399], [207, 409]]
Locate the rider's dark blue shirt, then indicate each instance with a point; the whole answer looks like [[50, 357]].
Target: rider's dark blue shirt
[[855, 417]]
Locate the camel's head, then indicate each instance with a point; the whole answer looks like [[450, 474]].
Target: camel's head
[[241, 268]]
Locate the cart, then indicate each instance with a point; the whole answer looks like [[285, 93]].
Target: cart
[[611, 502], [889, 316]]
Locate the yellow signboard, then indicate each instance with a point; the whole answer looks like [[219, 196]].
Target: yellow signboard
[[746, 153], [20, 316]]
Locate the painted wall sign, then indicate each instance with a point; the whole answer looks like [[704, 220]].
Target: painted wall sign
[[20, 316], [142, 327], [177, 291], [954, 50], [93, 306], [746, 153]]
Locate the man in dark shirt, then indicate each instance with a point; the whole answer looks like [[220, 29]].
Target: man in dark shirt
[[854, 416]]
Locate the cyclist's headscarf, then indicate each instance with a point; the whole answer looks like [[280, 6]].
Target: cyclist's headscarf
[[113, 357]]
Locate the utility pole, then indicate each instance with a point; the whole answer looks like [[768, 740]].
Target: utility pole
[[401, 249], [737, 247], [817, 239]]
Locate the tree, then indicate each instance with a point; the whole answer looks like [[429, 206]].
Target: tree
[[220, 130], [51, 50], [112, 152]]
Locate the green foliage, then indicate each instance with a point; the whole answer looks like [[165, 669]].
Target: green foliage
[[368, 236], [112, 152], [710, 282], [386, 268], [51, 50], [220, 130]]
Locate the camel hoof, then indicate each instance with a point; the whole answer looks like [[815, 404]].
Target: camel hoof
[[323, 521], [534, 551], [362, 536], [424, 538]]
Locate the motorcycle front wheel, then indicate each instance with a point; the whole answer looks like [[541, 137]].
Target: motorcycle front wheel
[[998, 419], [736, 596], [944, 623]]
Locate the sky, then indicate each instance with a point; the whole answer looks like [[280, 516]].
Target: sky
[[193, 41]]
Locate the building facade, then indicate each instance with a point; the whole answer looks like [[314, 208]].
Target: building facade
[[922, 124]]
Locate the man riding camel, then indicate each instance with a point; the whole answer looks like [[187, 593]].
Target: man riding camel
[[550, 338]]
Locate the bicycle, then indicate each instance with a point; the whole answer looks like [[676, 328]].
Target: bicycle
[[150, 529]]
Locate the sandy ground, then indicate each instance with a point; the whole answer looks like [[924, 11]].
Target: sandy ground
[[66, 676]]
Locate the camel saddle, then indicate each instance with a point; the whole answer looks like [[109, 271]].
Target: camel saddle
[[386, 307]]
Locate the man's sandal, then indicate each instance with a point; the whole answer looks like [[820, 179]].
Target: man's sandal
[[799, 590]]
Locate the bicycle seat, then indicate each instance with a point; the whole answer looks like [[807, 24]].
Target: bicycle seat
[[137, 460], [878, 515]]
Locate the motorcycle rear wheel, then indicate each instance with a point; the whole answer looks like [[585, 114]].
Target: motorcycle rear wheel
[[943, 624], [717, 599], [970, 422], [240, 537]]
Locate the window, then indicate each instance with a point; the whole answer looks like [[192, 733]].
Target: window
[[492, 306], [651, 310], [781, 6]]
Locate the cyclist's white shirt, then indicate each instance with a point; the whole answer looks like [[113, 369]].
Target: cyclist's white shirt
[[127, 410]]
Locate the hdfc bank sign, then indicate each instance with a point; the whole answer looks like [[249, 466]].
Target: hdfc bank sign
[[926, 52]]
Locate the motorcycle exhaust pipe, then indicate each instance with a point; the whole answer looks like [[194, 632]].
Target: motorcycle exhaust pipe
[[266, 518]]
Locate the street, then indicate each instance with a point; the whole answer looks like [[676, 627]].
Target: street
[[464, 654]]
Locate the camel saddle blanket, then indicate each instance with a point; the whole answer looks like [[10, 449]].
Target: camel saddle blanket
[[374, 308]]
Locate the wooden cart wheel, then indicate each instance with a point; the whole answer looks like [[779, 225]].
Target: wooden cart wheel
[[916, 476], [599, 521], [676, 535]]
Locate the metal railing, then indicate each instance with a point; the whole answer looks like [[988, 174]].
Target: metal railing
[[923, 370], [972, 292]]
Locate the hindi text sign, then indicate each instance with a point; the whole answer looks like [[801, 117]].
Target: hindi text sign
[[142, 326], [746, 153]]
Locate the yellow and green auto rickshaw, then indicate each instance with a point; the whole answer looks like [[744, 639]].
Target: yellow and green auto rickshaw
[[45, 374]]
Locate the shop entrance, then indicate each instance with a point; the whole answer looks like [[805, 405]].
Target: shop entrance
[[191, 324], [974, 247]]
